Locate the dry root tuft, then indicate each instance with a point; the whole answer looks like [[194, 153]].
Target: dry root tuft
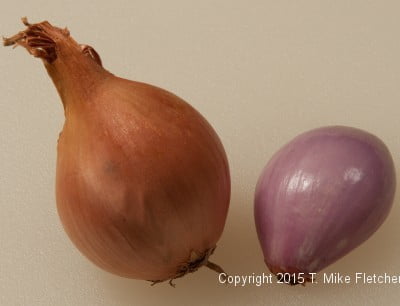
[[195, 262]]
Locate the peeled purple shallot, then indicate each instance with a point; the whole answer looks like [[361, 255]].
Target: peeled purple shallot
[[320, 196]]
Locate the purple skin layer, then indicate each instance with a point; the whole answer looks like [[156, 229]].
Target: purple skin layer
[[322, 195]]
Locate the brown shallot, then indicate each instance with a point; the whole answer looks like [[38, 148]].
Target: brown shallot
[[142, 182]]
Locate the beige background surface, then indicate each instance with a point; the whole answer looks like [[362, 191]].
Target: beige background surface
[[260, 71]]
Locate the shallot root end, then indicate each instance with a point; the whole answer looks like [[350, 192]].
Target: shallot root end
[[191, 266], [296, 277]]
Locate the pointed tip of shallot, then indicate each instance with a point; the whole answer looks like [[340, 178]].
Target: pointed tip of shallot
[[37, 38], [13, 40]]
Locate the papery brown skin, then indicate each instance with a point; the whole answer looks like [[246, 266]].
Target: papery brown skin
[[143, 182]]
